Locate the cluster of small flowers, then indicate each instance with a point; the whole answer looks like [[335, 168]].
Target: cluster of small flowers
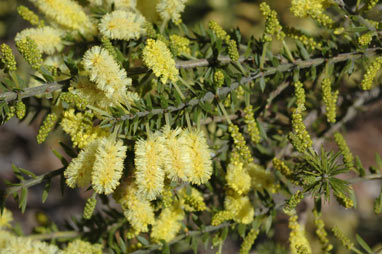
[[300, 137], [47, 39], [344, 200], [272, 24], [180, 45], [370, 74], [192, 200], [372, 3], [100, 163], [171, 9], [89, 207], [30, 16], [30, 51], [313, 8], [218, 78], [249, 240], [294, 200], [343, 239], [253, 129], [240, 144], [7, 58], [326, 246], [345, 151], [299, 244], [365, 39], [282, 167], [47, 125], [306, 40], [73, 99], [178, 154], [232, 50], [80, 127], [20, 110], [330, 100], [158, 57]]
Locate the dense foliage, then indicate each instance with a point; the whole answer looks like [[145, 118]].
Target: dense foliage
[[191, 134]]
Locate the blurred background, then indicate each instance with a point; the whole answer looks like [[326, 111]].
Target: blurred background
[[18, 139]]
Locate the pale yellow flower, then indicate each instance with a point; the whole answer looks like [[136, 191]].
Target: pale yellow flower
[[123, 25], [171, 9], [6, 218], [238, 178]]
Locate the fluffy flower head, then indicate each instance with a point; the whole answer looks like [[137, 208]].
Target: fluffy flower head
[[168, 225], [238, 178], [158, 57], [241, 207], [108, 165], [48, 39], [122, 25], [5, 219], [81, 247], [171, 9]]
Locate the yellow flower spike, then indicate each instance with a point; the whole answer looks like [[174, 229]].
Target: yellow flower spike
[[299, 244], [108, 165], [300, 137], [345, 151], [5, 219], [330, 100], [67, 13], [5, 238], [261, 179], [272, 24], [218, 78], [23, 245], [238, 178], [149, 169], [79, 171], [221, 217], [249, 240], [168, 224], [299, 95], [89, 207], [326, 247], [192, 201], [370, 74], [233, 51], [282, 167], [345, 241], [308, 41], [313, 8], [200, 156], [48, 39], [171, 10], [30, 51], [81, 247], [241, 208], [158, 58], [122, 25], [365, 39], [46, 127], [7, 58], [106, 73], [240, 144], [180, 45], [20, 110], [253, 129], [137, 211], [29, 16], [218, 30]]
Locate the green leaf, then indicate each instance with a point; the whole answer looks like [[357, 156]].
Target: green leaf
[[23, 199], [363, 244], [142, 240], [262, 83], [45, 192]]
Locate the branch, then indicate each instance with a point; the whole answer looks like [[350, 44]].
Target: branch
[[55, 235], [29, 92]]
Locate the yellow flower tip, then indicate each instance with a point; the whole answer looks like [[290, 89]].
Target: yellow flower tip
[[176, 159], [106, 73], [7, 58], [192, 199], [238, 178], [149, 169], [123, 25], [48, 39], [241, 207], [69, 14], [168, 224], [137, 211], [180, 45], [299, 244], [171, 10], [108, 165], [200, 155], [313, 8], [81, 247], [6, 218], [79, 171], [158, 58]]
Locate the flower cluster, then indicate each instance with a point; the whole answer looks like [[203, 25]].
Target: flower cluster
[[106, 73], [240, 144], [308, 41], [365, 39], [272, 24], [192, 199], [218, 78], [171, 10], [30, 51], [299, 244], [180, 45], [47, 125], [20, 110], [330, 100], [280, 165], [345, 151], [89, 207], [122, 25], [313, 8], [158, 57], [370, 74], [253, 129], [232, 50], [326, 246], [30, 16], [7, 58], [343, 239], [6, 218], [99, 163], [293, 202], [177, 154], [249, 240]]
